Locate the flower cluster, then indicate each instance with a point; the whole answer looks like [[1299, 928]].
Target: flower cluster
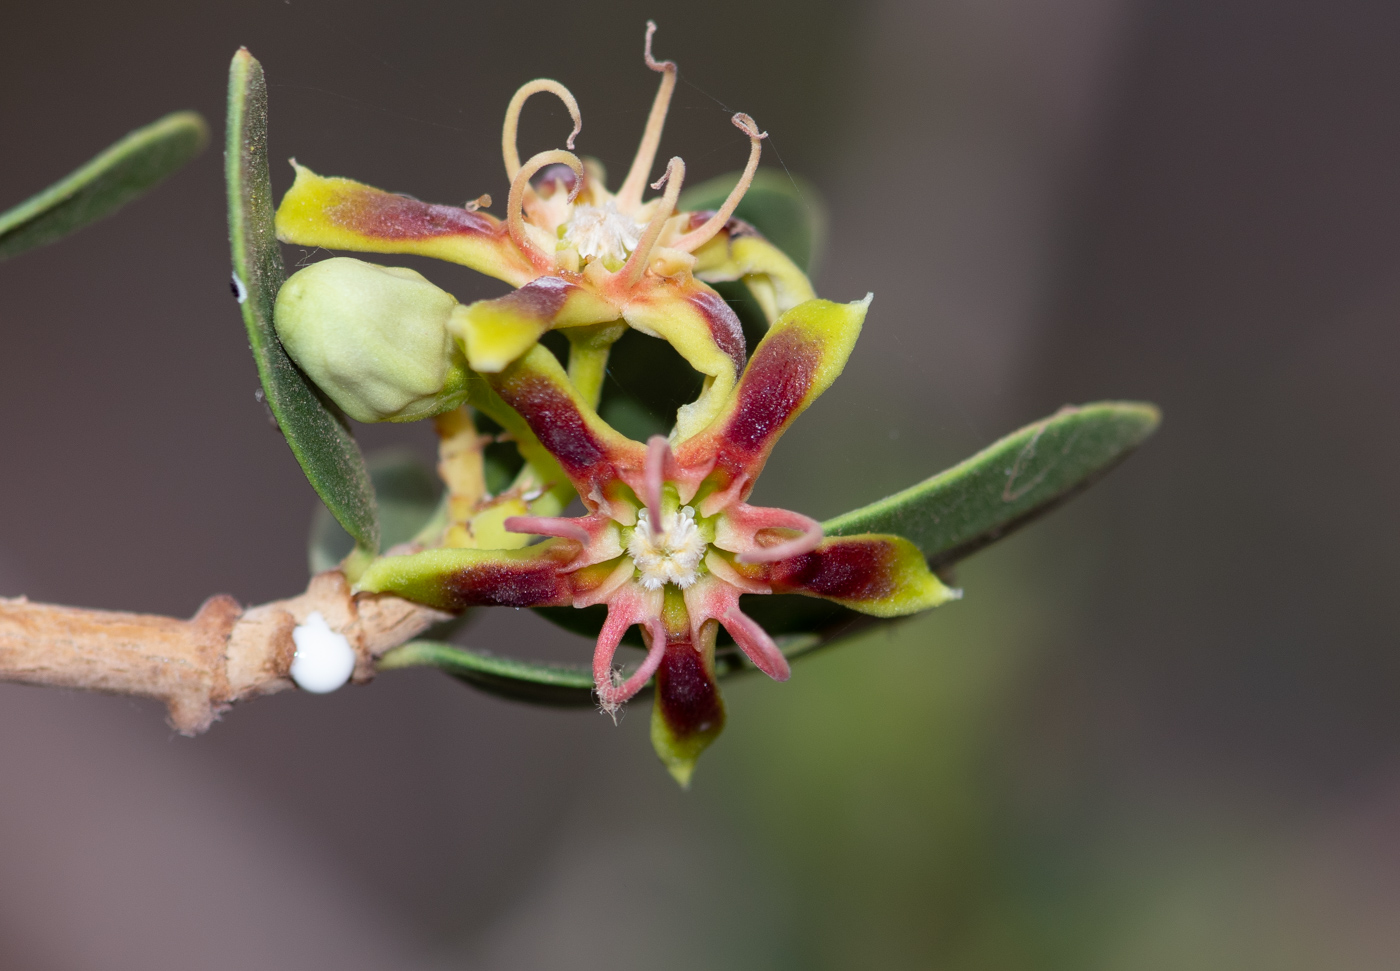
[[669, 542]]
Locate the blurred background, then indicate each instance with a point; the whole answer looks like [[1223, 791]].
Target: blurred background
[[1161, 730]]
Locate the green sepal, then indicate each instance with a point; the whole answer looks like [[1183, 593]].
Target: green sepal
[[124, 171], [314, 428]]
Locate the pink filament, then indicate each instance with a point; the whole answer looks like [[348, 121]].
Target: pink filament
[[548, 526], [623, 612], [629, 194], [658, 451], [756, 644], [517, 102], [693, 240], [756, 519], [673, 179], [515, 203]]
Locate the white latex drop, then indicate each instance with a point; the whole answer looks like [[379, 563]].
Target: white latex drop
[[324, 660]]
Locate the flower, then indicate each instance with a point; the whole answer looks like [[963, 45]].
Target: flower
[[669, 542], [580, 255]]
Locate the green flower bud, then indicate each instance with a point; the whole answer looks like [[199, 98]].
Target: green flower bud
[[373, 338]]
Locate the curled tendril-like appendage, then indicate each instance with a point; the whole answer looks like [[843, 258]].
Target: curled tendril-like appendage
[[515, 202], [517, 104]]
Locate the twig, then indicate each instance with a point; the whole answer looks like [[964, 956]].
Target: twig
[[201, 666]]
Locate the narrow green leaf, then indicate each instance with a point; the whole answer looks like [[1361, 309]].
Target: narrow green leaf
[[314, 428], [1008, 484], [784, 208], [566, 685], [560, 685], [131, 167], [408, 494]]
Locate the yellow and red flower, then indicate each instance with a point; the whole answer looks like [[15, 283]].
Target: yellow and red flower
[[578, 254], [669, 542]]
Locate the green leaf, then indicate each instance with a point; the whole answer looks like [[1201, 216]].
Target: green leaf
[[567, 685], [982, 499], [784, 208], [408, 494], [1003, 487], [559, 685], [314, 428], [131, 167]]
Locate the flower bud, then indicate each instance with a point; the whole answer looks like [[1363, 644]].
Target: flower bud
[[373, 338]]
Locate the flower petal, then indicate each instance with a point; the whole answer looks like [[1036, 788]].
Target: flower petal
[[347, 215], [884, 576], [591, 453], [630, 605], [702, 328], [799, 357], [740, 252], [688, 713], [738, 528], [712, 598], [496, 332], [454, 579]]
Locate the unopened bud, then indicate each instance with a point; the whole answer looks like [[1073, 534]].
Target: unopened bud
[[373, 338]]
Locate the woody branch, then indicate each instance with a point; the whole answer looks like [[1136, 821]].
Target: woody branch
[[198, 667]]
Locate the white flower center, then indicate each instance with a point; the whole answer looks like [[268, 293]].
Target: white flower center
[[601, 232], [670, 554]]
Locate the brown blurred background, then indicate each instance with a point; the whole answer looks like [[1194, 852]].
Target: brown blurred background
[[1160, 732]]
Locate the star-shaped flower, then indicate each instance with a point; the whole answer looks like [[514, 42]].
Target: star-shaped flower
[[670, 543], [580, 255]]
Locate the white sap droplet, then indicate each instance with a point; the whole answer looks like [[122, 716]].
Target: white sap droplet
[[239, 290], [324, 660]]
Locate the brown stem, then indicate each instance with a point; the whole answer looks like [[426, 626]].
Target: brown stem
[[201, 666]]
